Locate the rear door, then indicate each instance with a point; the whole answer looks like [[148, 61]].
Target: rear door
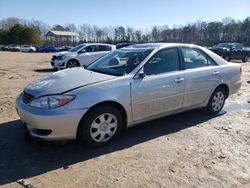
[[103, 50], [161, 90], [92, 53], [202, 74]]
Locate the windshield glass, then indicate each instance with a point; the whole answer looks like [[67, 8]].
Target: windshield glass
[[76, 48], [224, 45], [119, 62]]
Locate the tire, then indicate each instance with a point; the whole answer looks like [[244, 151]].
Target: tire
[[95, 128], [216, 101], [73, 63], [227, 58], [245, 59]]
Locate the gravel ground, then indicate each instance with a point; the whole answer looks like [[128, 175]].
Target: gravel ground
[[185, 150]]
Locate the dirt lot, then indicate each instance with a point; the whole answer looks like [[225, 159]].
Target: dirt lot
[[185, 150]]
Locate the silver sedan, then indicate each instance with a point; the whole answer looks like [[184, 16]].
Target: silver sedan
[[126, 87]]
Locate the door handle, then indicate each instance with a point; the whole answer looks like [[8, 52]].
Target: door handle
[[216, 72], [178, 80]]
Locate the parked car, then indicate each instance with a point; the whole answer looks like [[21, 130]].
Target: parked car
[[232, 51], [48, 49], [27, 48], [82, 54], [126, 87], [12, 47], [63, 48], [1, 47]]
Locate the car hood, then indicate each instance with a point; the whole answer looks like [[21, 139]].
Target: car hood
[[65, 80], [61, 53]]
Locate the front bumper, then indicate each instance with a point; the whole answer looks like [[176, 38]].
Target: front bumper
[[58, 64], [49, 124]]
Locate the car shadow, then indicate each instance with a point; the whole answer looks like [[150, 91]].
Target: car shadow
[[45, 70], [20, 159]]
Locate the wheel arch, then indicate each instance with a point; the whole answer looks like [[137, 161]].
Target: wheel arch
[[115, 104], [225, 87]]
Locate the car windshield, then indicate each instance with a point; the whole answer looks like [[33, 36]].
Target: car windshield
[[119, 62], [76, 48], [224, 45]]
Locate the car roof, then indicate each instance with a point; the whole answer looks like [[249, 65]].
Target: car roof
[[158, 45], [96, 44]]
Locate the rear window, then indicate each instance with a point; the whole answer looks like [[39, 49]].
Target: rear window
[[104, 48]]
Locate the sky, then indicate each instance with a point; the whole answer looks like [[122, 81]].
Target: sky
[[135, 13]]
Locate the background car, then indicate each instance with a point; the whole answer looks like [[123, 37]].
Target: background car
[[122, 45], [63, 48], [12, 47], [1, 47], [80, 55], [48, 49], [232, 51], [126, 87], [27, 48]]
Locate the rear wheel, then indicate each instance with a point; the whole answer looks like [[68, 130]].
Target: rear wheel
[[245, 59], [216, 101], [72, 63], [101, 126]]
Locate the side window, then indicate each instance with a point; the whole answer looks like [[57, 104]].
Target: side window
[[166, 60], [104, 48], [194, 58], [91, 48]]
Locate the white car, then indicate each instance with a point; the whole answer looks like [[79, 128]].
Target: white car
[[82, 54], [27, 48]]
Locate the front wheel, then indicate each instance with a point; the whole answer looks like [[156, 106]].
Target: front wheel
[[245, 59], [216, 101], [101, 126], [72, 63]]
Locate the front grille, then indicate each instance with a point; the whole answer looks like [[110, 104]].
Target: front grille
[[27, 97], [53, 58]]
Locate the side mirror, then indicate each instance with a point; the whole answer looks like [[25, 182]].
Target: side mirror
[[140, 74]]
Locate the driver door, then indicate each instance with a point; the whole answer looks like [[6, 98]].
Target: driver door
[[162, 89]]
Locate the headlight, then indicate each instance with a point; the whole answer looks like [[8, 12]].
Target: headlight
[[61, 57], [52, 101]]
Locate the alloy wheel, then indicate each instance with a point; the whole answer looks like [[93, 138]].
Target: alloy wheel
[[72, 63]]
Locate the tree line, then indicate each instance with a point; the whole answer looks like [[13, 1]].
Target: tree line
[[20, 34], [19, 31]]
